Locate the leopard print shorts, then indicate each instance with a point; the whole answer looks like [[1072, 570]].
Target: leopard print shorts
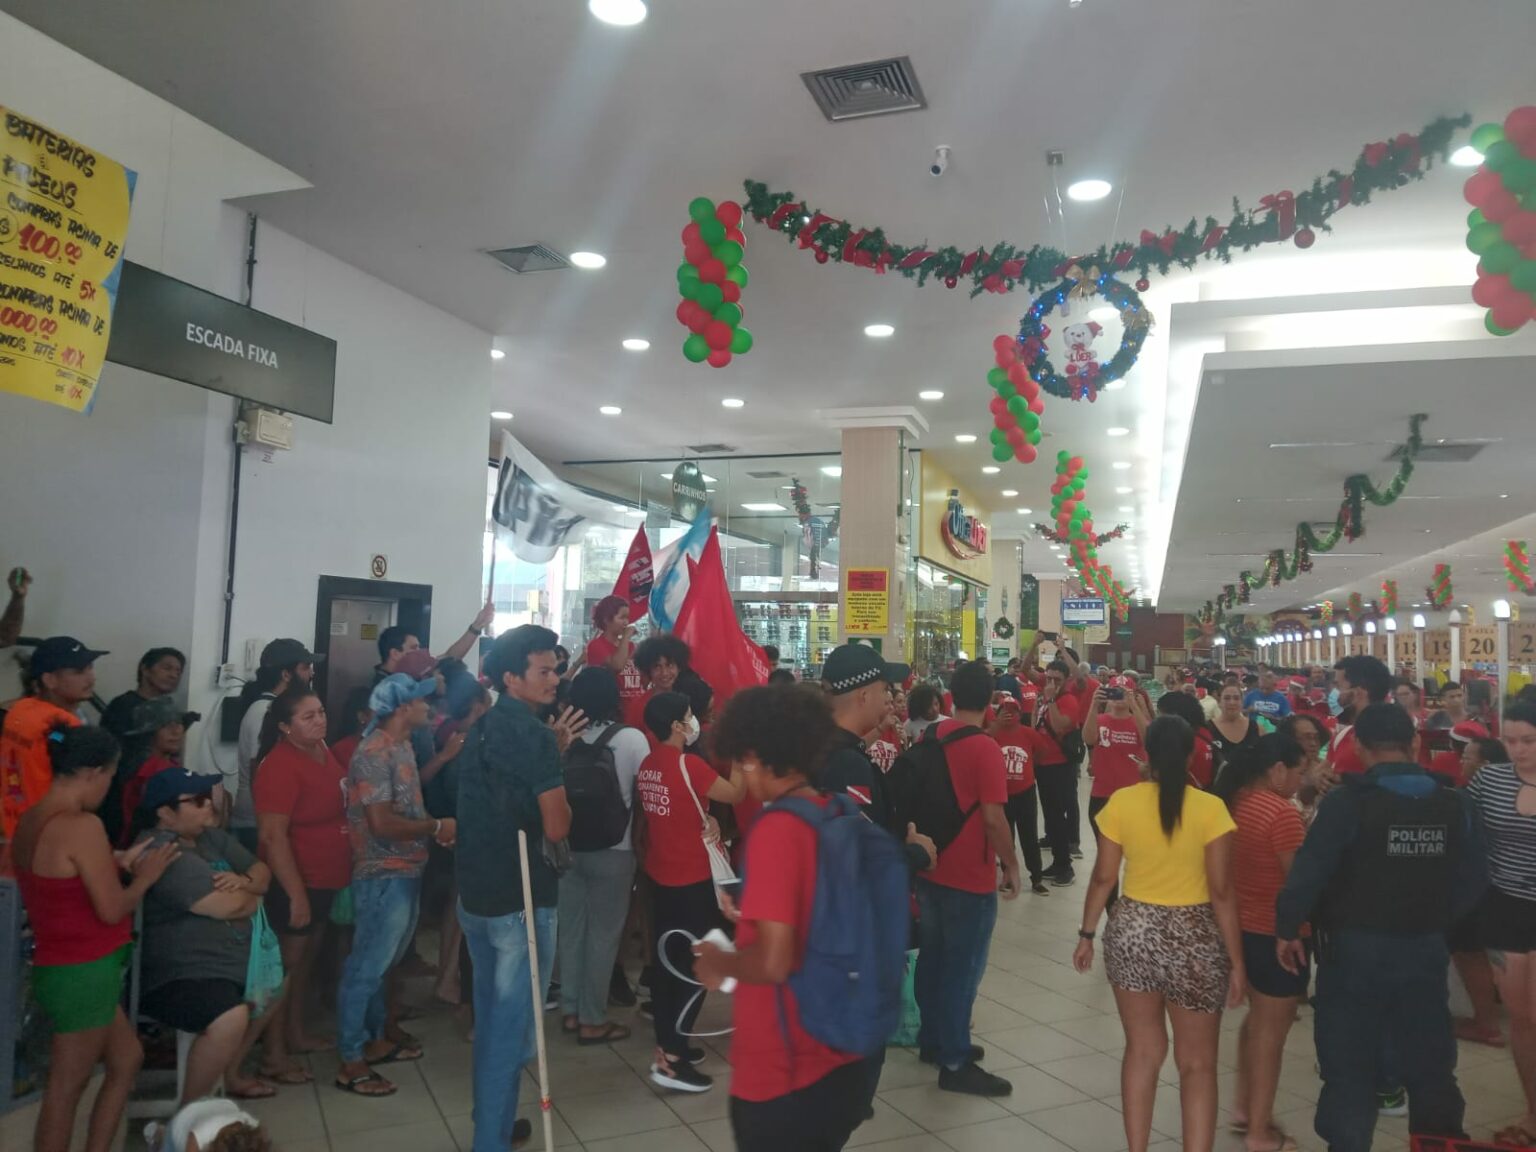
[[1174, 951]]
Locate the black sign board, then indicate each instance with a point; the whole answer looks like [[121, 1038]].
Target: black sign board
[[688, 495], [174, 329], [1029, 601]]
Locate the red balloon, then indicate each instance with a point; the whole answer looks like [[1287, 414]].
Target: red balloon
[[1520, 127], [720, 357], [1037, 405], [700, 318], [1024, 453], [999, 405], [1511, 313], [1489, 290], [1007, 356], [696, 253], [1075, 464], [1520, 229], [685, 310], [691, 234], [1087, 527], [1481, 186], [1502, 205], [728, 212], [1018, 375], [712, 271], [737, 235], [1016, 436], [717, 334], [730, 292]]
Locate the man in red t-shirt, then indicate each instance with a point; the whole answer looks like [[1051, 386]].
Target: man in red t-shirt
[[957, 897], [1361, 680], [1115, 732], [1017, 740], [1057, 722]]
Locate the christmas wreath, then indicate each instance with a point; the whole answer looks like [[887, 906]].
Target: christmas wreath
[[1084, 375], [1003, 629]]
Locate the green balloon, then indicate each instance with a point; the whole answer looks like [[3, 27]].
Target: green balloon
[[1501, 155], [999, 436], [1485, 136], [1029, 419], [728, 252], [701, 208], [1033, 435], [1494, 328], [1001, 452], [1484, 236], [730, 313], [1076, 524], [710, 296], [713, 232], [1501, 258], [1019, 406], [1476, 217], [1063, 456], [997, 377], [1077, 482], [1519, 175], [686, 271], [737, 275], [741, 341], [696, 348], [690, 289], [1524, 276], [1082, 476]]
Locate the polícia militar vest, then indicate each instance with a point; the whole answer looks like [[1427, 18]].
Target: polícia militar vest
[[1398, 877]]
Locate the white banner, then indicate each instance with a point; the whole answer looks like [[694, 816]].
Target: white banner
[[535, 511]]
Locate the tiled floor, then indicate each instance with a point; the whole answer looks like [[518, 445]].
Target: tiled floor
[[1051, 1032]]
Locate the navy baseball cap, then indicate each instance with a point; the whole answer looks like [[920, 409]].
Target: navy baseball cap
[[167, 787], [58, 653]]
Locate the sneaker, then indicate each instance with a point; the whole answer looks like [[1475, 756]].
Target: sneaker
[[647, 1011], [680, 1076], [552, 1000], [1061, 878], [1394, 1103], [973, 1080], [522, 1132], [697, 1055], [931, 1055], [620, 994], [1077, 853], [1039, 888]]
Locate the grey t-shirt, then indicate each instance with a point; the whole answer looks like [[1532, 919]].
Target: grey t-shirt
[[179, 944], [243, 813]]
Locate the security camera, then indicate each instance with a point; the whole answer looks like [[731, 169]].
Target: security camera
[[940, 161]]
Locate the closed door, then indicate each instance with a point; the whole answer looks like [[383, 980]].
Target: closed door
[[354, 651]]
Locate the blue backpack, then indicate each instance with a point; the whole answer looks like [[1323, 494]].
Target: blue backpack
[[849, 985]]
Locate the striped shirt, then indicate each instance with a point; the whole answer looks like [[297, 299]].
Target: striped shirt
[[1267, 827], [1510, 836]]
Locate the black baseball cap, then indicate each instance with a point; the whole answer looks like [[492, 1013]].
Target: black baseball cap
[[58, 653], [851, 666], [286, 652]]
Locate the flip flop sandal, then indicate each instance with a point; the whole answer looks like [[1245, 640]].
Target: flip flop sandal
[[570, 1024], [1514, 1137], [1238, 1126], [398, 1054], [354, 1085], [1286, 1144], [609, 1035], [288, 1077], [259, 1090]]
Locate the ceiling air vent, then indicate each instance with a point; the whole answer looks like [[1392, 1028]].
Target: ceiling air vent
[[1445, 452], [529, 258], [877, 88], [708, 449]]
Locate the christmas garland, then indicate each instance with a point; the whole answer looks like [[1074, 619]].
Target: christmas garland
[[802, 502], [1099, 541], [1380, 167], [1348, 524]]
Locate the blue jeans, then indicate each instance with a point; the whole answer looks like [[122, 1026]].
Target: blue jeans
[[1370, 986], [955, 931], [504, 1008], [385, 910]]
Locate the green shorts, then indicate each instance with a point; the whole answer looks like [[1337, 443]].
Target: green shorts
[[79, 997]]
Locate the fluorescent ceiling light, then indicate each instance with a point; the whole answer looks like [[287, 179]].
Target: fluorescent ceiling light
[[1102, 314], [1117, 431], [1115, 385], [1088, 190], [1466, 157], [763, 507], [636, 344], [732, 402], [624, 13], [879, 330], [965, 438], [991, 470], [833, 470], [611, 410], [1127, 507], [1010, 492], [501, 414], [588, 260], [498, 354], [1123, 491], [930, 394], [1121, 465], [1025, 511]]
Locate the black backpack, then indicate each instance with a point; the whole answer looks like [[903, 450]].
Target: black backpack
[[599, 816], [922, 792]]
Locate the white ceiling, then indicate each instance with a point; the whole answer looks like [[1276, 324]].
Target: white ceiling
[[433, 131]]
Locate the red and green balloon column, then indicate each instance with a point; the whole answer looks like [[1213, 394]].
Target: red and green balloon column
[[1501, 228], [710, 280], [1517, 568], [1074, 522], [1017, 407], [1440, 588]]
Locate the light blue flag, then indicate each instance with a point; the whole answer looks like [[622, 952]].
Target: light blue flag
[[671, 586]]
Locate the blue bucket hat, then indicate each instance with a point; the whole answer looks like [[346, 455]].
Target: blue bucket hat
[[392, 692]]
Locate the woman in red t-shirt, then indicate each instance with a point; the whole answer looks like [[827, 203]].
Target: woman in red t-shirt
[[788, 1090], [613, 648], [1259, 787], [674, 789], [299, 791]]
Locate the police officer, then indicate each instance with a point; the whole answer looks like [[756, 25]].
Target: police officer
[[1393, 859]]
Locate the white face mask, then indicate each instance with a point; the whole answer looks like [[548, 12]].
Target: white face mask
[[691, 726]]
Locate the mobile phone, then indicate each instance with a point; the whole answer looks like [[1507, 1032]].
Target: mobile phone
[[731, 888], [1114, 693]]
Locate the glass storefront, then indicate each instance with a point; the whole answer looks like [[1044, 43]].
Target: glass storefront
[[949, 615]]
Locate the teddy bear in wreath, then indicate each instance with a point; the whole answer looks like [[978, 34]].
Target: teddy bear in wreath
[[1082, 367]]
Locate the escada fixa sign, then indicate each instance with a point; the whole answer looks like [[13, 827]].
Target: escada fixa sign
[[964, 534]]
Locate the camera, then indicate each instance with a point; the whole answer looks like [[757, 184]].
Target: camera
[[1114, 693], [940, 161]]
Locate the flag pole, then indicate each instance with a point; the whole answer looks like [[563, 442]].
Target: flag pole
[[546, 1109]]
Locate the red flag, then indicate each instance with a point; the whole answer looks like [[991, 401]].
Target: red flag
[[636, 577], [721, 652]]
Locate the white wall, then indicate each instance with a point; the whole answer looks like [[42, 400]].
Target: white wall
[[122, 515]]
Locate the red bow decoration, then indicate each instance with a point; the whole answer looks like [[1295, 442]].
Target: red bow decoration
[[994, 283], [851, 247], [970, 262], [1165, 242], [1408, 145], [913, 259], [1346, 190], [1283, 205], [809, 230], [1213, 238], [782, 213], [1124, 256], [1374, 154], [1012, 268]]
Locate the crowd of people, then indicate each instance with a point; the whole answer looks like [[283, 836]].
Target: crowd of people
[[1247, 826]]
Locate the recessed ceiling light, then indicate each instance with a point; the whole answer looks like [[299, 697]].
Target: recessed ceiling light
[[879, 330], [732, 402], [621, 12], [588, 260], [636, 344], [1120, 465], [1025, 511], [1088, 190], [1010, 492], [498, 354], [763, 507], [1102, 314], [991, 470], [930, 394], [1123, 491], [1503, 495], [965, 438], [1115, 385], [501, 414], [1117, 431], [1466, 157], [1127, 507], [833, 470], [611, 410]]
